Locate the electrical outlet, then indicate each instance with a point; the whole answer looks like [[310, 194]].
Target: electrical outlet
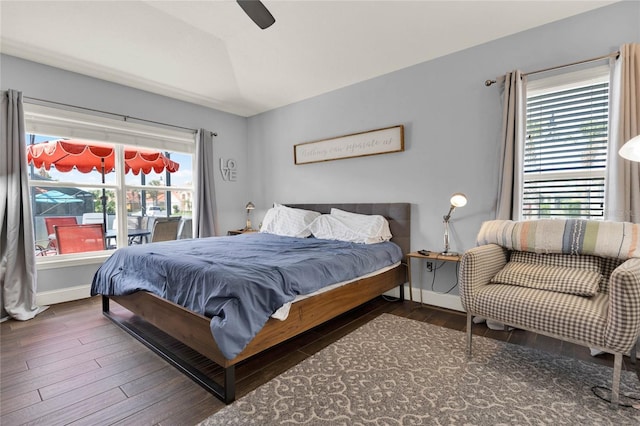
[[429, 266]]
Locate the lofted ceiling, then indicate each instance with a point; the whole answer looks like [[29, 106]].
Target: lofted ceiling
[[210, 53]]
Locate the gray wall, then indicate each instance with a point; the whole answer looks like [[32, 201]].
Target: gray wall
[[452, 124]]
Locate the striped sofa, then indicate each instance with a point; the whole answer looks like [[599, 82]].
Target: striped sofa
[[575, 280]]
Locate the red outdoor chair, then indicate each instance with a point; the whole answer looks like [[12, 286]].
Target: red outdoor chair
[[50, 222], [79, 238]]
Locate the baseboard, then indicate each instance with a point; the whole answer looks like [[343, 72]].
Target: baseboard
[[63, 295], [443, 300], [448, 301]]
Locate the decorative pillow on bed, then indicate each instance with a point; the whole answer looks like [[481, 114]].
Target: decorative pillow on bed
[[581, 282], [327, 227], [287, 221], [374, 227], [351, 227]]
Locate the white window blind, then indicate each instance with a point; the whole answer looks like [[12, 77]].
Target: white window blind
[[44, 120], [565, 150]]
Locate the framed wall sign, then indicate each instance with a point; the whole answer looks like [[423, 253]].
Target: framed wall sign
[[373, 142]]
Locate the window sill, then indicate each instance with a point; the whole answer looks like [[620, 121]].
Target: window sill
[[65, 261]]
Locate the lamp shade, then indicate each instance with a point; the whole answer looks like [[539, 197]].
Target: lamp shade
[[631, 149], [458, 199], [250, 206]]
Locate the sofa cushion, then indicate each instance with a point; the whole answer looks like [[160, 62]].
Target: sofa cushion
[[591, 263], [581, 282], [583, 319], [604, 265]]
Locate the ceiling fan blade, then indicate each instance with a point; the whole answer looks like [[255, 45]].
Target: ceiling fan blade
[[257, 12]]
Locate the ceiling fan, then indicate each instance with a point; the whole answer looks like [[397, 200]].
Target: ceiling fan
[[257, 12]]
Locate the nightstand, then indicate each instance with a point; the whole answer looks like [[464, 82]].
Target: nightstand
[[241, 231], [429, 258]]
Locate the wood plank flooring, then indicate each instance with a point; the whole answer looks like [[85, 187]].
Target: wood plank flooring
[[71, 365]]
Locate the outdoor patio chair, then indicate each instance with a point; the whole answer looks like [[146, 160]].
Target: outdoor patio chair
[[164, 230], [79, 238], [44, 251], [89, 218], [184, 229], [133, 222], [146, 222], [49, 223]]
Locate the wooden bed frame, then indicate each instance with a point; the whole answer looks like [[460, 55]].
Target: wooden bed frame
[[193, 329]]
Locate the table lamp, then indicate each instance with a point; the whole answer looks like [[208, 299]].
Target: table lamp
[[250, 206], [631, 149], [457, 200]]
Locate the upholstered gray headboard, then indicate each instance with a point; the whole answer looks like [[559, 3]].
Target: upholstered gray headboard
[[398, 215]]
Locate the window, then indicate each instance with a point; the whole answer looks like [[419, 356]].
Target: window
[[147, 174], [565, 150]]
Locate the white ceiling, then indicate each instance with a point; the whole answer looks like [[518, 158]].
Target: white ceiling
[[211, 53]]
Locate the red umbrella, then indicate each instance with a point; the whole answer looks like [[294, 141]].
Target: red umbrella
[[67, 155]]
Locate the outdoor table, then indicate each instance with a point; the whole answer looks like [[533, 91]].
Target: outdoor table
[[132, 234]]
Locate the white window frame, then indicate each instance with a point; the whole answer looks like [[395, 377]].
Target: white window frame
[[66, 123], [556, 83]]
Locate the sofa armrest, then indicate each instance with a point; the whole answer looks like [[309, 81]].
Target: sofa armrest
[[623, 317], [477, 266]]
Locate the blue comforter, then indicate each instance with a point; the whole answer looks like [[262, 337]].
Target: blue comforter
[[238, 281]]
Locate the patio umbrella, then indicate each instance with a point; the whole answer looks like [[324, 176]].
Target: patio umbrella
[[67, 155], [56, 197]]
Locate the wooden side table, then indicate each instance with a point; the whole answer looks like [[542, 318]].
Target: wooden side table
[[430, 257]]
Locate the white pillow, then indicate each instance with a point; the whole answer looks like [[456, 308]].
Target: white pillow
[[327, 227], [351, 227], [374, 228], [287, 221]]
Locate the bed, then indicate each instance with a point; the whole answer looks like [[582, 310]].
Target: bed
[[195, 330]]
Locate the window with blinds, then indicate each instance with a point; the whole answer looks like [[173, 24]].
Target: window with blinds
[[565, 150]]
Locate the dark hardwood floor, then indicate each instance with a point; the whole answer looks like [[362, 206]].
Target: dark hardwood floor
[[71, 365]]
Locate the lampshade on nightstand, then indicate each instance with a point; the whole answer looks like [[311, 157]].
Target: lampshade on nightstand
[[250, 206]]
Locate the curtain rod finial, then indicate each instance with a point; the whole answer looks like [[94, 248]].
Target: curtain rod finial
[[489, 82]]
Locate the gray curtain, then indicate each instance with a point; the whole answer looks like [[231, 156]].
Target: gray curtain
[[514, 97], [622, 193], [205, 201], [17, 249]]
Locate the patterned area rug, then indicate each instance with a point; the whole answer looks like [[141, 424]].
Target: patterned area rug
[[397, 371]]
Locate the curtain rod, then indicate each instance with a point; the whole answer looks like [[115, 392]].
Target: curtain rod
[[586, 61], [124, 117]]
